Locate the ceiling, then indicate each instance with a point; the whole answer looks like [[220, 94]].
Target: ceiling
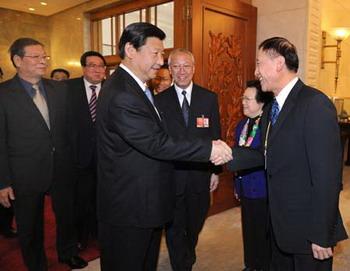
[[52, 7]]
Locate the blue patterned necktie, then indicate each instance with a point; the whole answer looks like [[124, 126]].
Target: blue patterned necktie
[[275, 110], [185, 108], [149, 95]]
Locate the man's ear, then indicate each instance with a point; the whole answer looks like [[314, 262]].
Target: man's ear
[[17, 60], [281, 62], [130, 50]]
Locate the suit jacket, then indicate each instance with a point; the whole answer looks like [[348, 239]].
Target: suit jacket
[[84, 136], [250, 183], [32, 157], [304, 171], [204, 103], [135, 187]]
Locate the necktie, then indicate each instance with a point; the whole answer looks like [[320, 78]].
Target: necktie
[[185, 108], [93, 103], [275, 110], [149, 95], [40, 102]]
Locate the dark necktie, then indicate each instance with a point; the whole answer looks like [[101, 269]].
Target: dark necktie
[[93, 103], [149, 95], [185, 108], [275, 110], [41, 104]]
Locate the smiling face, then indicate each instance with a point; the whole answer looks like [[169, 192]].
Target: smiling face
[[95, 70], [182, 69], [251, 108], [146, 60], [32, 66], [162, 81], [267, 70]]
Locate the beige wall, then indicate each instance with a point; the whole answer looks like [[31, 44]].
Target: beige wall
[[71, 37], [278, 18], [336, 14], [13, 25]]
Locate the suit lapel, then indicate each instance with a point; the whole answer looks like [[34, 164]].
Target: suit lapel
[[287, 107], [50, 95], [175, 107], [25, 102], [134, 87], [83, 100]]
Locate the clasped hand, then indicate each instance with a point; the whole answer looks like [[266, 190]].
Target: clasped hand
[[220, 153]]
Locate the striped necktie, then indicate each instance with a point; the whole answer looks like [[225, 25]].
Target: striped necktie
[[185, 108], [93, 103], [41, 104]]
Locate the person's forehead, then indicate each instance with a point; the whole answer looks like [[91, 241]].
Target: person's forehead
[[94, 59], [34, 48], [154, 43], [182, 57]]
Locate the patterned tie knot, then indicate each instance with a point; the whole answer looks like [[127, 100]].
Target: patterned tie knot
[[93, 87], [275, 110]]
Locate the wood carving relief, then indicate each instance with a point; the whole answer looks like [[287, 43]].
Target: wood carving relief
[[225, 77]]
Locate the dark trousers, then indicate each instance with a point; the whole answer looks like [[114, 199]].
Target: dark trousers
[[255, 236], [85, 204], [6, 219], [29, 211], [182, 233], [129, 248], [282, 261]]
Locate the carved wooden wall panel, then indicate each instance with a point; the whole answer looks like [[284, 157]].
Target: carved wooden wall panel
[[224, 44]]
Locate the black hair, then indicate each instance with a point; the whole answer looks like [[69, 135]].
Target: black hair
[[91, 53], [283, 47], [59, 70], [260, 96], [18, 47], [136, 34]]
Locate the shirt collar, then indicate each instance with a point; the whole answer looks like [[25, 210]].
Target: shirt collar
[[88, 84], [282, 96], [138, 81], [29, 86], [188, 92]]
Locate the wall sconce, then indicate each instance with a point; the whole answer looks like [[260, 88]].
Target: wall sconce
[[339, 34]]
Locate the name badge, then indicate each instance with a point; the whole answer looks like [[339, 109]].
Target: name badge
[[202, 122]]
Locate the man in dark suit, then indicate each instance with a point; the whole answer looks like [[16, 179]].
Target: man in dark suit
[[83, 94], [303, 163], [189, 111], [35, 155], [135, 189]]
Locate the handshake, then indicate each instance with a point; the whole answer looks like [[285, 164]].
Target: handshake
[[221, 153]]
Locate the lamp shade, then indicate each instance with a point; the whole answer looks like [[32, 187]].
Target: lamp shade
[[340, 33]]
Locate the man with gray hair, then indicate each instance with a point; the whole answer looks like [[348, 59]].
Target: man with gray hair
[[35, 155], [189, 111]]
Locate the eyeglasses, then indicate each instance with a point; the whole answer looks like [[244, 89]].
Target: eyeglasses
[[247, 99], [39, 58], [94, 66], [186, 67]]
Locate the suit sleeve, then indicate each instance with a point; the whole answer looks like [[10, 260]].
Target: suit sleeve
[[323, 147], [131, 118], [5, 175], [215, 129]]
